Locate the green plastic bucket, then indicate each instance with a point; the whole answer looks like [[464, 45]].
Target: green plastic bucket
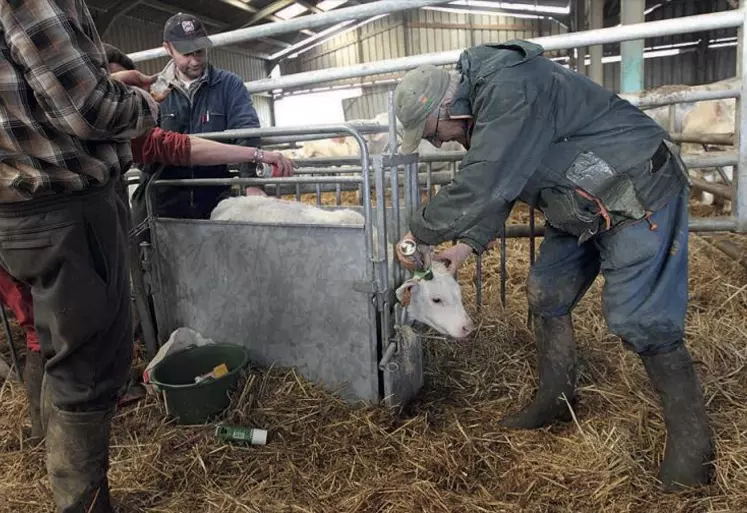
[[195, 403]]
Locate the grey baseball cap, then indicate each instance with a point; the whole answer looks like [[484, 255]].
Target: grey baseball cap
[[420, 92]]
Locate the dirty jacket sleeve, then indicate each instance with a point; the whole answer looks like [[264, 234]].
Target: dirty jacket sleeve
[[512, 132], [241, 114]]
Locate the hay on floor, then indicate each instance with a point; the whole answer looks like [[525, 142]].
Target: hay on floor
[[446, 453]]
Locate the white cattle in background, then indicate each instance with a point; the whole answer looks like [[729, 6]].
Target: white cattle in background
[[713, 117], [377, 143], [335, 147], [661, 114], [697, 118]]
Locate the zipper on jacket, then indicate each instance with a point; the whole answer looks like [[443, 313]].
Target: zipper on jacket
[[192, 129]]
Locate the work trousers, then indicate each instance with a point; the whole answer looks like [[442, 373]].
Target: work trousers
[[71, 251], [645, 271]]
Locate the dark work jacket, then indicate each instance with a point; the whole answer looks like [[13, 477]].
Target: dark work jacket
[[541, 132], [221, 102]]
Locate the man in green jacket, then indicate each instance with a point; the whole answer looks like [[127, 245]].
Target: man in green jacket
[[614, 194]]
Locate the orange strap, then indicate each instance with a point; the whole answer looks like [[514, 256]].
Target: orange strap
[[651, 225], [605, 214], [602, 211]]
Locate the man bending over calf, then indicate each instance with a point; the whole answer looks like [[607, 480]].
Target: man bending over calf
[[614, 193]]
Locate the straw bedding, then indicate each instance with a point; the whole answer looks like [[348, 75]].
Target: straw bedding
[[445, 453]]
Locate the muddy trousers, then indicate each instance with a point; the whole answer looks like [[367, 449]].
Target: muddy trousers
[[72, 252], [644, 302]]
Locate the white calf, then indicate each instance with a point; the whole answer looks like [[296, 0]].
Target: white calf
[[269, 209], [436, 302]]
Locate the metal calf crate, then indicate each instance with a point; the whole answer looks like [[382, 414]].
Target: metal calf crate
[[313, 297]]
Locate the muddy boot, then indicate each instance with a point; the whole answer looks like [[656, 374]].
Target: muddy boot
[[556, 355], [46, 403], [33, 373], [689, 451], [78, 460]]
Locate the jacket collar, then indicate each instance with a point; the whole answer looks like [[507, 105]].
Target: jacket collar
[[211, 76]]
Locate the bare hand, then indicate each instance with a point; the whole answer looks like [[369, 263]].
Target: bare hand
[[454, 256], [418, 261], [134, 78], [160, 88], [283, 164]]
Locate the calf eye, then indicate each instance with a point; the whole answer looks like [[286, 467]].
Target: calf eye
[[436, 300]]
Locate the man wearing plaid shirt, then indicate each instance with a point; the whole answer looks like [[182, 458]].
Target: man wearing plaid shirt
[[64, 144]]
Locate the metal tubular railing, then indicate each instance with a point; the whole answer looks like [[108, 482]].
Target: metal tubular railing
[[302, 22], [683, 25], [699, 23]]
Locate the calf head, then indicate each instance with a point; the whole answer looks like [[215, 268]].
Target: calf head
[[436, 302]]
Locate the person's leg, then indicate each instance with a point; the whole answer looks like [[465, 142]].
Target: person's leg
[[172, 202], [207, 198], [72, 251], [645, 302], [17, 296], [558, 279]]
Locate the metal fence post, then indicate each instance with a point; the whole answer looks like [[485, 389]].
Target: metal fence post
[[739, 206]]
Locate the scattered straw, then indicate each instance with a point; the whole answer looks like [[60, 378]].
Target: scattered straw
[[446, 453]]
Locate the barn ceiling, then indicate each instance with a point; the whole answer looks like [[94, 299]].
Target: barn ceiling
[[224, 15]]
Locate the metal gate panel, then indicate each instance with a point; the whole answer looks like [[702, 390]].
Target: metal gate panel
[[286, 292], [404, 374]]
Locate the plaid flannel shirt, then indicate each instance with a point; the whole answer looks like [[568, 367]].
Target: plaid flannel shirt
[[65, 125]]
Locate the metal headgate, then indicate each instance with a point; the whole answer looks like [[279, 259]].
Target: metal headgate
[[315, 297]]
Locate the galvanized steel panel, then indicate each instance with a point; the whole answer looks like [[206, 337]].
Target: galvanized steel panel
[[284, 292], [404, 375]]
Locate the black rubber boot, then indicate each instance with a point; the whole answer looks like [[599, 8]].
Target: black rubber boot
[[556, 355], [33, 373], [690, 450], [78, 460]]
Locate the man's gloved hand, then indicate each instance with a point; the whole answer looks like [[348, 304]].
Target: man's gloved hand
[[454, 256], [419, 259]]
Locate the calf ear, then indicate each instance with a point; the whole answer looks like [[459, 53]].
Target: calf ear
[[404, 292]]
